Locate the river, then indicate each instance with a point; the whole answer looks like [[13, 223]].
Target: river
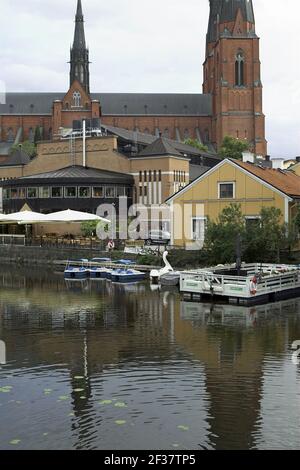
[[93, 365]]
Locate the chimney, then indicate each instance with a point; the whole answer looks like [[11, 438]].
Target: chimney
[[277, 163], [248, 157]]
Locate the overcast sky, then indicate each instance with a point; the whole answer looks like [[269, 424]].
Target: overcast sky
[[149, 46]]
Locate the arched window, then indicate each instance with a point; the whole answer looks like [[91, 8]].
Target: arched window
[[206, 136], [31, 135], [239, 69], [10, 135], [67, 106], [77, 99]]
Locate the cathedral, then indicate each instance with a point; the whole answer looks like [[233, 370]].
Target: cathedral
[[231, 102]]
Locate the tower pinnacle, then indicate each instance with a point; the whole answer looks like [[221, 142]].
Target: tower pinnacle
[[79, 53]]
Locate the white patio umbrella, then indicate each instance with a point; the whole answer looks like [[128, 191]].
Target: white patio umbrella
[[3, 217], [23, 217], [70, 216]]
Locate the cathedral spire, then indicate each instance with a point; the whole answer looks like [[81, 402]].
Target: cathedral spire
[[214, 16], [230, 10], [80, 53]]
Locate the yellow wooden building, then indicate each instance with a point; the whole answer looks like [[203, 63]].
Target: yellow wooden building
[[231, 181]]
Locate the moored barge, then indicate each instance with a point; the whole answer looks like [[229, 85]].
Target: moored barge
[[251, 284]]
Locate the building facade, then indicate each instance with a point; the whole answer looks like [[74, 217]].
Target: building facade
[[236, 182], [231, 103]]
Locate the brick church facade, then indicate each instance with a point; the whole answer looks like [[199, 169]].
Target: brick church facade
[[231, 103]]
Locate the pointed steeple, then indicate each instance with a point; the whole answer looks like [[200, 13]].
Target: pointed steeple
[[79, 36], [230, 9], [214, 15], [80, 53]]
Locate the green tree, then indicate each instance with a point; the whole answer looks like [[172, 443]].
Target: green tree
[[296, 220], [27, 147], [89, 229], [222, 235], [260, 242], [233, 148], [266, 239], [196, 144]]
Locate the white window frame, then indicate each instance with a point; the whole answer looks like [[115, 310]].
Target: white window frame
[[98, 197], [77, 99], [202, 219], [57, 197], [219, 190], [252, 217], [85, 197], [41, 196], [65, 192], [37, 192]]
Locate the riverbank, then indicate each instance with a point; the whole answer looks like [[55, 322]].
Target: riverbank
[[179, 259]]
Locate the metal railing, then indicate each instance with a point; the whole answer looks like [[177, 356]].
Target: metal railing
[[18, 240]]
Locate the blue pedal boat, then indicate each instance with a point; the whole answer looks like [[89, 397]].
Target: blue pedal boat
[[99, 272], [127, 275], [73, 271]]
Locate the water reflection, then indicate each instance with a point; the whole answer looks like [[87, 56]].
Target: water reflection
[[95, 365]]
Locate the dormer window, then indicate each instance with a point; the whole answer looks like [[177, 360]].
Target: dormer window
[[77, 99]]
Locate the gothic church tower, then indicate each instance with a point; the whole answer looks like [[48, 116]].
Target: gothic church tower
[[232, 74], [80, 54]]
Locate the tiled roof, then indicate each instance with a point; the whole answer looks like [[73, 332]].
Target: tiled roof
[[284, 180], [159, 147]]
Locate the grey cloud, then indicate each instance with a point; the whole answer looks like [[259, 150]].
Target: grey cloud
[[157, 46]]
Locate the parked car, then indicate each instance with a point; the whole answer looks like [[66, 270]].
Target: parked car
[[158, 237]]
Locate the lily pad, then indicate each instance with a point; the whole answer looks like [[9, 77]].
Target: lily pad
[[183, 428], [71, 414], [48, 390], [78, 377], [105, 402], [45, 434], [77, 390], [82, 398], [15, 442], [120, 404], [4, 390], [63, 397], [120, 422]]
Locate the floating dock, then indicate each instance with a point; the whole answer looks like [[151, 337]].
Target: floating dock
[[252, 284]]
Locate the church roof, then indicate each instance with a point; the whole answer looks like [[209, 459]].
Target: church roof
[[115, 104], [159, 147]]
